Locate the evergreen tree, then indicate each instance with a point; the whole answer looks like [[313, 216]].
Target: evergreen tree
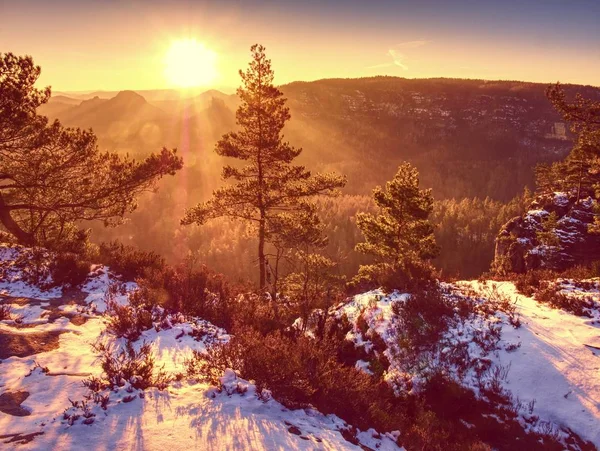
[[582, 113], [290, 234], [400, 236], [269, 185], [547, 235], [549, 177], [582, 166], [313, 285], [51, 177]]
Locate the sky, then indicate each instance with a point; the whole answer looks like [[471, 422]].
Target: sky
[[85, 45]]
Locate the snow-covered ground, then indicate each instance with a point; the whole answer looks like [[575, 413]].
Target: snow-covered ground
[[557, 363], [41, 389], [16, 263], [550, 362]]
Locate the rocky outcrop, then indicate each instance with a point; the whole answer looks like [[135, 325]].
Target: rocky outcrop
[[519, 249]]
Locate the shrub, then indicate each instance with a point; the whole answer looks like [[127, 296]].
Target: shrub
[[423, 317], [527, 283], [69, 268], [499, 302], [299, 371], [191, 291], [302, 371], [32, 264], [128, 365], [578, 306], [5, 312], [74, 241], [314, 286], [129, 262], [209, 366], [127, 321], [530, 282], [410, 275], [583, 271]]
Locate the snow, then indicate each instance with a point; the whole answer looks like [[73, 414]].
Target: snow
[[187, 415], [537, 213], [363, 365], [553, 365], [550, 362], [14, 260], [376, 313], [97, 287], [543, 363]]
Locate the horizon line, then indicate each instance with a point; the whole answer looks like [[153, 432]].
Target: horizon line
[[224, 89]]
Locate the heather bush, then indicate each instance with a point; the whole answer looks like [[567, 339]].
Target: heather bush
[[580, 306], [299, 371], [530, 282], [188, 290], [127, 321], [68, 268], [527, 283], [5, 312], [128, 365], [423, 318], [129, 262]]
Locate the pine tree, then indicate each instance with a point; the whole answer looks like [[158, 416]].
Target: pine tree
[[580, 168], [290, 235], [547, 235], [550, 177], [582, 113], [400, 236], [313, 285], [52, 177], [269, 185], [583, 163]]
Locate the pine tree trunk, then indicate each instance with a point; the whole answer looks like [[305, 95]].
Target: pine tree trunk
[[580, 177], [261, 250], [9, 223]]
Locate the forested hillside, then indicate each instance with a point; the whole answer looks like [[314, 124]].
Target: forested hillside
[[467, 137], [474, 142]]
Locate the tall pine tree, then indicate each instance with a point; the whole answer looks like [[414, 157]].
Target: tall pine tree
[[400, 236], [268, 185]]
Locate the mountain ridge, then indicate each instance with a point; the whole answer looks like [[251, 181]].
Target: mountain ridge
[[487, 132]]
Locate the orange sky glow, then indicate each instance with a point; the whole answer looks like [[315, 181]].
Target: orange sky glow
[[116, 45]]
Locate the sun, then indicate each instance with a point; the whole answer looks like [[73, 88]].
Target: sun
[[189, 63]]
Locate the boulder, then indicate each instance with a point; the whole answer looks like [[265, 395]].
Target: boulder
[[518, 249]]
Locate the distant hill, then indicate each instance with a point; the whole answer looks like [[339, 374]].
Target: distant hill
[[149, 94], [65, 99], [467, 137], [192, 106], [101, 114]]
